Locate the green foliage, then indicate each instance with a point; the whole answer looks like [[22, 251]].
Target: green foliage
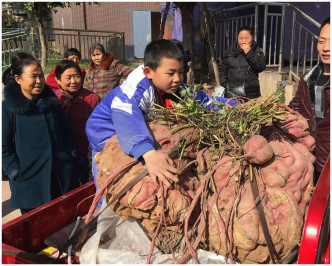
[[281, 91], [227, 128], [8, 19]]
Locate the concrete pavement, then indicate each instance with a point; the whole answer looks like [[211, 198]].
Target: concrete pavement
[[8, 214]]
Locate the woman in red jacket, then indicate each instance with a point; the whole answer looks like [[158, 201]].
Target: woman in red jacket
[[78, 103], [71, 54]]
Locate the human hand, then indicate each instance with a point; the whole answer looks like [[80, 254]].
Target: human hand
[[162, 166], [245, 47]]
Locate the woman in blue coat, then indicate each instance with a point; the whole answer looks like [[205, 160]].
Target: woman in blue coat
[[38, 145]]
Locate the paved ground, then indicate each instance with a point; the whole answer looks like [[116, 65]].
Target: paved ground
[[8, 214]]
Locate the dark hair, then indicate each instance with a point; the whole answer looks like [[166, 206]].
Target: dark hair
[[247, 28], [8, 74], [155, 51], [64, 65], [325, 21], [72, 51], [186, 53], [97, 46], [178, 44]]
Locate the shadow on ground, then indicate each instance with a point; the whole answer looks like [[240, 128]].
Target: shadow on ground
[[6, 209]]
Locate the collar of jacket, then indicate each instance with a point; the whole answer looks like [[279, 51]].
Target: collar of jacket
[[311, 79], [104, 64], [18, 103]]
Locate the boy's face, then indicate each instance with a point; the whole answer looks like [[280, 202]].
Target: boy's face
[[323, 45], [168, 76], [74, 58]]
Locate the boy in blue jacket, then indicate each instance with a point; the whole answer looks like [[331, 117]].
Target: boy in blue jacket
[[124, 110]]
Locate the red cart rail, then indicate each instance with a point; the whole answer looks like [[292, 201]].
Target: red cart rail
[[24, 236], [315, 243]]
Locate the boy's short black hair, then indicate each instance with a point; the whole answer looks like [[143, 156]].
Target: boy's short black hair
[[247, 28], [155, 51], [325, 21], [72, 51]]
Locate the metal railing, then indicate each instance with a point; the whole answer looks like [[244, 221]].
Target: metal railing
[[12, 42], [298, 29], [58, 41], [269, 33]]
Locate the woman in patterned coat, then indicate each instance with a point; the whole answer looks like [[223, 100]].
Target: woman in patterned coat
[[104, 72]]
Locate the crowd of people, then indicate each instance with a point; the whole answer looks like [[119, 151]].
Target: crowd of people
[[50, 126]]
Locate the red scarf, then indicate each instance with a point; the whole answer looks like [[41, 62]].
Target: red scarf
[[66, 100]]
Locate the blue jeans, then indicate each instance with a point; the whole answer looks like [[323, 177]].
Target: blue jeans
[[95, 174]]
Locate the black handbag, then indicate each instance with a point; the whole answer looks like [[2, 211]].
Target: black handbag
[[238, 90]]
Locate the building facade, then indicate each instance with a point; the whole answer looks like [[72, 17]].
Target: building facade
[[140, 21]]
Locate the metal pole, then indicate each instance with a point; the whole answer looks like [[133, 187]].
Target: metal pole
[[292, 48], [282, 31], [275, 42], [256, 21], [298, 50], [79, 40], [305, 52], [270, 45], [265, 28]]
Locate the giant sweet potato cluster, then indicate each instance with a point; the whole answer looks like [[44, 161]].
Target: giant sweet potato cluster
[[219, 152]]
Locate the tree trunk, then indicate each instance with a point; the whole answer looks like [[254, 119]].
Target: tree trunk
[[187, 13], [162, 29], [210, 42], [42, 37]]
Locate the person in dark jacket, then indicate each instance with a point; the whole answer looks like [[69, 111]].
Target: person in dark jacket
[[312, 99], [38, 143], [6, 76], [240, 66]]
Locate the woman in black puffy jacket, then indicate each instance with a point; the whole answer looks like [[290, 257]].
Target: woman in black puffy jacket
[[240, 66]]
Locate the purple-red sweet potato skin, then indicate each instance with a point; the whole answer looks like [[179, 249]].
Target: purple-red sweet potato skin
[[258, 150]]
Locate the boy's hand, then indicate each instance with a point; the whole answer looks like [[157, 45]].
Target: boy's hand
[[161, 165]]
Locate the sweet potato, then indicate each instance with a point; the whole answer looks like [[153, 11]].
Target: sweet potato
[[258, 150]]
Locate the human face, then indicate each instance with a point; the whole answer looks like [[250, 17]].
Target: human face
[[244, 37], [168, 76], [323, 45], [31, 81], [70, 80], [74, 58], [97, 57]]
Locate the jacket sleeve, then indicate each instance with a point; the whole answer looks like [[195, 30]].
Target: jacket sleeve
[[223, 69], [50, 80], [130, 126], [10, 161], [207, 101], [256, 60], [295, 102], [83, 73], [123, 71]]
